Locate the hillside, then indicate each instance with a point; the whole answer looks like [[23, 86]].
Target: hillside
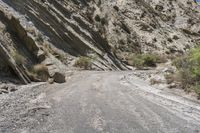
[[55, 33]]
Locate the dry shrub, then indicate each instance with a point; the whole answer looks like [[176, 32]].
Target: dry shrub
[[162, 58], [155, 81], [40, 68], [19, 59], [59, 55], [40, 71], [175, 77], [146, 60], [84, 63]]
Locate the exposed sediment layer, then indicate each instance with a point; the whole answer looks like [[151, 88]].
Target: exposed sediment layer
[[56, 32]]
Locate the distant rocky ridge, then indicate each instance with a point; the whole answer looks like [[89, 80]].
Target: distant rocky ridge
[[54, 33]]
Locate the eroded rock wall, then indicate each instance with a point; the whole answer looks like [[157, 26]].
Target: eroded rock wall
[[163, 26], [56, 32]]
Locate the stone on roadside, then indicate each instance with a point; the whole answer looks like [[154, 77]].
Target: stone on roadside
[[50, 80], [59, 77]]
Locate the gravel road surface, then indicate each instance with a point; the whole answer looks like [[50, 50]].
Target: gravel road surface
[[97, 102]]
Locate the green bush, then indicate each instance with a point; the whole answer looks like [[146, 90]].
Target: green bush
[[145, 60], [179, 62], [189, 70], [197, 89], [84, 63], [194, 61], [137, 62], [191, 63]]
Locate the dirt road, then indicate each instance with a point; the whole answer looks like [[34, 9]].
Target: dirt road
[[102, 102]]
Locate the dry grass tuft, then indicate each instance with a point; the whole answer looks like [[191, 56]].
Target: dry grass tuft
[[84, 63]]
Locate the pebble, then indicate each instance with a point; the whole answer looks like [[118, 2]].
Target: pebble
[[6, 88]]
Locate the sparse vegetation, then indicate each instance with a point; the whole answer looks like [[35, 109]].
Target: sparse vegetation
[[59, 55], [39, 68], [197, 89], [146, 60], [39, 38], [19, 59], [173, 78], [84, 63], [39, 72], [189, 70], [155, 81]]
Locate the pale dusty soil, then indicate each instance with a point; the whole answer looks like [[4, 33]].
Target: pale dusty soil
[[102, 102]]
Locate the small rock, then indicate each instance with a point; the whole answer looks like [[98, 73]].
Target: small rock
[[3, 91], [154, 81], [59, 77], [169, 70], [157, 79], [12, 89], [50, 80], [173, 85], [5, 87]]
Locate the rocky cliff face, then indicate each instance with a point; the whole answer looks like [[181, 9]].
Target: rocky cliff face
[[56, 32], [152, 25]]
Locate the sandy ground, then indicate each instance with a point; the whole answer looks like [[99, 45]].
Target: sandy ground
[[97, 102]]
